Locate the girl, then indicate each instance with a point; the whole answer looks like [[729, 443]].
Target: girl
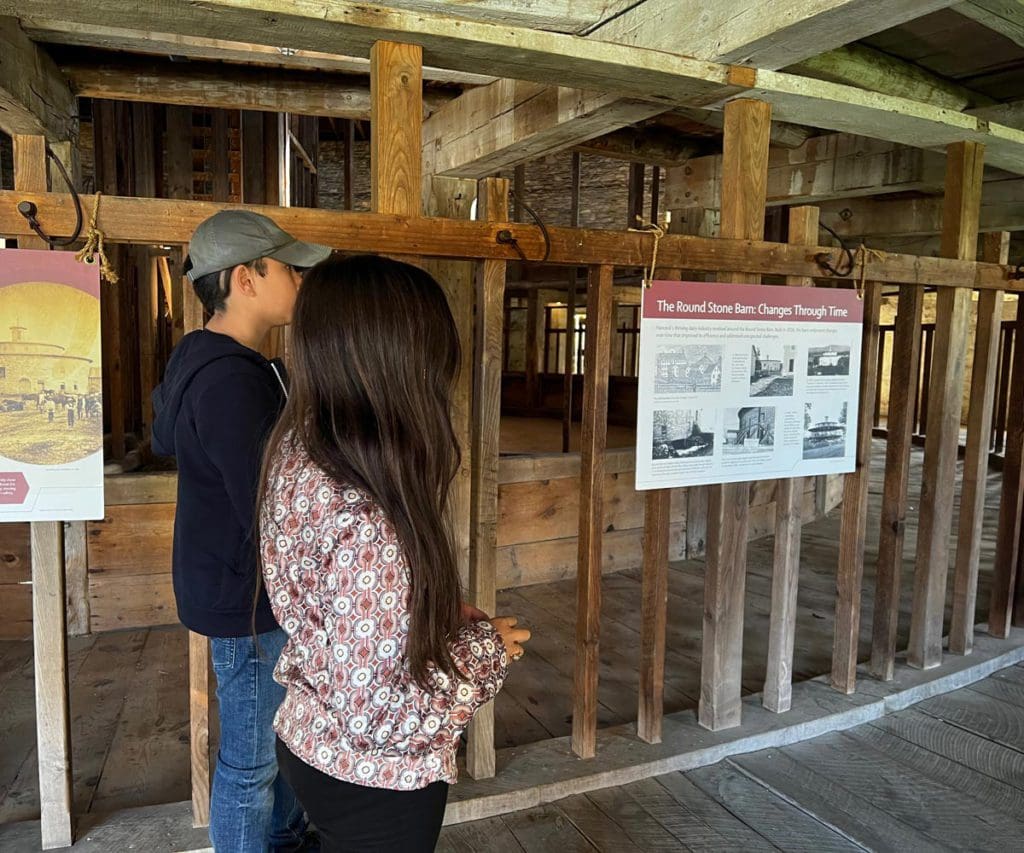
[[385, 665]]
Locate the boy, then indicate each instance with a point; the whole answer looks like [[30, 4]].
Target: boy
[[216, 406]]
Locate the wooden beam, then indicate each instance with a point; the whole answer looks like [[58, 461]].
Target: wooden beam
[[128, 220], [867, 68], [975, 472], [782, 135], [35, 98], [146, 42], [231, 87], [549, 58], [850, 571], [592, 449], [49, 616], [903, 381], [1010, 114], [76, 569], [569, 360], [509, 122], [959, 240], [1002, 209], [745, 164], [395, 161], [651, 145], [492, 205], [789, 495], [1005, 575], [199, 726], [825, 167], [750, 32], [1005, 17]]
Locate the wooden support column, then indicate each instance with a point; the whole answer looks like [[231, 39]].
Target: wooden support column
[[789, 495], [492, 206], [654, 586], [452, 198], [179, 185], [744, 182], [964, 165], [532, 355], [221, 156], [850, 572], [49, 625], [569, 364], [1011, 507], [593, 441], [396, 92], [654, 606], [995, 249], [903, 382]]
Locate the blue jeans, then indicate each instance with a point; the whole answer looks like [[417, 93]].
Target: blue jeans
[[252, 809]]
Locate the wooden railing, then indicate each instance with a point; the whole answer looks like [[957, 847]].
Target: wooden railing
[[920, 392]]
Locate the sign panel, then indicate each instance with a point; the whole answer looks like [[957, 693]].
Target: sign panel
[[51, 391], [746, 382]]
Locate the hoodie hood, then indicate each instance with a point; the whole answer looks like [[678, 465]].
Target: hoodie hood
[[196, 351]]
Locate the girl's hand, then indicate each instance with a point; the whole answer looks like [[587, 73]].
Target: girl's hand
[[472, 614], [511, 636]]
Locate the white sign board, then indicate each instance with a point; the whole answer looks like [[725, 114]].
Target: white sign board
[[51, 394], [746, 382]]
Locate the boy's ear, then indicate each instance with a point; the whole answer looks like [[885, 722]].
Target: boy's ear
[[241, 281]]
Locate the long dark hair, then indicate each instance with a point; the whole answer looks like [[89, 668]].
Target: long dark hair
[[374, 356]]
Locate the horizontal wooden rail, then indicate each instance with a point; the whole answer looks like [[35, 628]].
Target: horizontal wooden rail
[[169, 221]]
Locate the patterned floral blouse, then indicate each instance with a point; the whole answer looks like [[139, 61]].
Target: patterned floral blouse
[[339, 587]]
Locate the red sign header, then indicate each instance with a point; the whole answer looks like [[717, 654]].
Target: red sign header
[[701, 300]]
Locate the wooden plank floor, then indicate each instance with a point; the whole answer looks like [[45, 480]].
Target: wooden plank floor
[[946, 774], [129, 698]]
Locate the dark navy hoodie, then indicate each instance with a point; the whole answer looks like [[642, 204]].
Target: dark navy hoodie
[[213, 413]]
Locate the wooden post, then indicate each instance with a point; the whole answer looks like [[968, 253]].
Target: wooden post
[[964, 166], [996, 249], [591, 530], [396, 113], [492, 206], [221, 157], [744, 183], [654, 606], [49, 618], [532, 369], [453, 198], [570, 312], [789, 495], [654, 587], [76, 567], [1011, 507], [850, 573], [903, 381]]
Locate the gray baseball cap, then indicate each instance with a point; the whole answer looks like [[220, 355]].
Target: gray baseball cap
[[233, 237]]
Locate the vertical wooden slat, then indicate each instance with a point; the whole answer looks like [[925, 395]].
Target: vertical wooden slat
[[76, 569], [996, 249], [49, 616], [221, 159], [569, 363], [964, 166], [492, 206], [251, 130], [853, 526], [148, 320], [789, 494], [396, 113], [879, 370], [1011, 506], [178, 156], [654, 606], [594, 430], [744, 182], [903, 381], [199, 726], [1005, 358], [927, 349]]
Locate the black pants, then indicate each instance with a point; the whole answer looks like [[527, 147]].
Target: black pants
[[354, 818]]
